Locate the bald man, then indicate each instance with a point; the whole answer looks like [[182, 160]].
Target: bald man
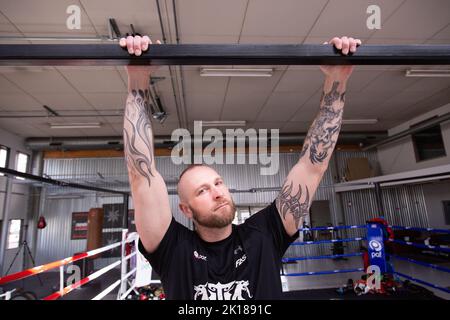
[[219, 260]]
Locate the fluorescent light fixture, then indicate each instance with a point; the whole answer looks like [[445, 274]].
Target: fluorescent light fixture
[[359, 121], [239, 123], [80, 125], [227, 72], [63, 197], [427, 73]]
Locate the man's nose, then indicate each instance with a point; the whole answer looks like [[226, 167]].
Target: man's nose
[[217, 192]]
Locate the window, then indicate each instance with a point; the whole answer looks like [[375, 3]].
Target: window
[[244, 212], [429, 144], [21, 163], [15, 226], [446, 211], [4, 157]]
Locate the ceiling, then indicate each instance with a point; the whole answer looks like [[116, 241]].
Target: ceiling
[[287, 101]]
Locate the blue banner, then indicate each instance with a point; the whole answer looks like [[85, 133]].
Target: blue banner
[[375, 241]]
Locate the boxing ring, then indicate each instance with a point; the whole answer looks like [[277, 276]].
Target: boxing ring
[[385, 264], [126, 284]]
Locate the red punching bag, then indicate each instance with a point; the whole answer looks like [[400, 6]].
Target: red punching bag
[[41, 223]]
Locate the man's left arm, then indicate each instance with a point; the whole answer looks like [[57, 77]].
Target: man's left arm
[[298, 190]]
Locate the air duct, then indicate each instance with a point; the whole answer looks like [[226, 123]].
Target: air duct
[[116, 142]]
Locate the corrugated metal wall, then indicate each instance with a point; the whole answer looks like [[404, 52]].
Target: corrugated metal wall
[[404, 204], [343, 156], [54, 241]]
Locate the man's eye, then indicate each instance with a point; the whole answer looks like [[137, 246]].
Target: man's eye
[[201, 191], [218, 182]]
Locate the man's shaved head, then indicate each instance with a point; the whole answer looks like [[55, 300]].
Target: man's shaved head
[[181, 195], [204, 197]]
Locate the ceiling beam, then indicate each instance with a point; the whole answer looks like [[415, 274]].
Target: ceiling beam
[[220, 54]]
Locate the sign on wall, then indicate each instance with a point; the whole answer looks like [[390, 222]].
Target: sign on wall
[[79, 225]]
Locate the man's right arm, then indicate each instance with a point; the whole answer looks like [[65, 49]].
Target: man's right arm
[[148, 189]]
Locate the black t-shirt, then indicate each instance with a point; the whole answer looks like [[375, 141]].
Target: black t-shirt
[[245, 265]]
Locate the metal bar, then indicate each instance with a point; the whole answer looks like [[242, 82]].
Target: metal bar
[[49, 266], [122, 297], [131, 255], [427, 124], [125, 213], [379, 199], [123, 265], [102, 294], [82, 282], [5, 220], [61, 279], [58, 182], [221, 54]]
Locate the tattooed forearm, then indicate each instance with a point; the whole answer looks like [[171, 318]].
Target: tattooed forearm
[[138, 137], [290, 202], [323, 133]]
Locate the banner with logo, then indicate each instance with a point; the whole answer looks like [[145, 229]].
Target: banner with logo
[[375, 248]]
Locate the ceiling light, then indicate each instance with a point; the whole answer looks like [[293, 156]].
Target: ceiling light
[[81, 125], [239, 123], [427, 73], [226, 72], [359, 121]]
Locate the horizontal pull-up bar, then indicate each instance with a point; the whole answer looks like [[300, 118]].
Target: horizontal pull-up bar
[[221, 54]]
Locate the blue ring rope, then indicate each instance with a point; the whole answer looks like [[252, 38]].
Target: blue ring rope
[[326, 241], [332, 228], [425, 264], [302, 274], [321, 257], [420, 229], [423, 282], [423, 246]]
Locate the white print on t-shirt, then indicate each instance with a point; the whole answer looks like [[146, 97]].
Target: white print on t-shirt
[[199, 256], [238, 248], [234, 290], [240, 260]]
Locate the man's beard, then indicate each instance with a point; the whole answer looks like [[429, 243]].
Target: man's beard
[[216, 220]]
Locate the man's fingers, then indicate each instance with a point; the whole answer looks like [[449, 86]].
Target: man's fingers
[[145, 41], [345, 45], [337, 42], [137, 45], [352, 44], [130, 44]]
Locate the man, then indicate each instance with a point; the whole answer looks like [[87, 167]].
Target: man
[[220, 260]]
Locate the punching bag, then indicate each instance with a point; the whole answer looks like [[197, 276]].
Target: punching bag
[[41, 223], [95, 226]]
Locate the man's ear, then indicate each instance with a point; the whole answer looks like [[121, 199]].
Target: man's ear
[[186, 210]]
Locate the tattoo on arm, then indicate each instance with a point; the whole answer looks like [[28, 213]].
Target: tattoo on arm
[[289, 202], [323, 133], [138, 136]]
